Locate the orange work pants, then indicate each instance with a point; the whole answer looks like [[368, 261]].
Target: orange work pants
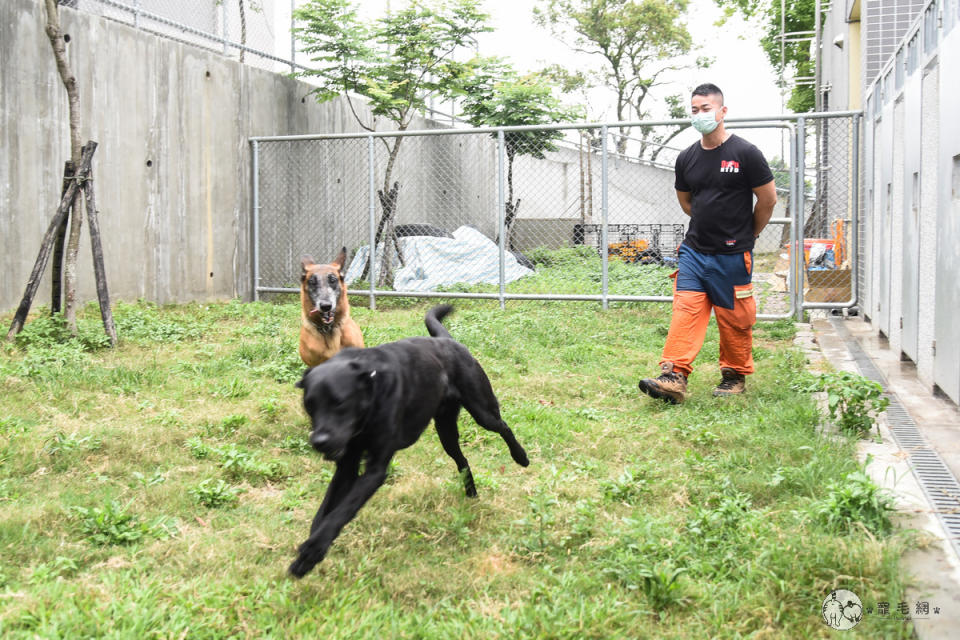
[[688, 329]]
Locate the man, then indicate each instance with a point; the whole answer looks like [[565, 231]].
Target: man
[[716, 181]]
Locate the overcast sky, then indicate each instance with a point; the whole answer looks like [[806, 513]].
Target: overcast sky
[[740, 67]]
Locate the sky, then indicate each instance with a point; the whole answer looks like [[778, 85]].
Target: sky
[[740, 67]]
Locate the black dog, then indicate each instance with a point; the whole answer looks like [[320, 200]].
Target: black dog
[[373, 402]]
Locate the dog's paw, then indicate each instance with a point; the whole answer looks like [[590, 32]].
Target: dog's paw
[[520, 457], [301, 567]]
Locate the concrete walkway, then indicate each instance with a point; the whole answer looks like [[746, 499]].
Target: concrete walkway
[[932, 571]]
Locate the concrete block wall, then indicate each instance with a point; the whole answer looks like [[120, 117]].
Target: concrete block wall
[[172, 169]]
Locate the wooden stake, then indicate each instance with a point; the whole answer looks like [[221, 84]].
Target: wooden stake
[[66, 202]]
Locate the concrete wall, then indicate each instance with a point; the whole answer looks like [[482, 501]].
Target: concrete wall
[[912, 291], [172, 170]]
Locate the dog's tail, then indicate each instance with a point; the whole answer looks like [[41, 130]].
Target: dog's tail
[[435, 318]]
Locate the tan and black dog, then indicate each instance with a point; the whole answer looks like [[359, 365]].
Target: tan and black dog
[[325, 322]]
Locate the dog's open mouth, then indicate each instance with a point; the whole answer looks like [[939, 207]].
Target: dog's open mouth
[[326, 317]]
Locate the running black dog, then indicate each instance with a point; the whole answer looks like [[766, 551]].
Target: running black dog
[[370, 403]]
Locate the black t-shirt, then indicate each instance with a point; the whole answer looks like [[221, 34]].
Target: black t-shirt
[[721, 182]]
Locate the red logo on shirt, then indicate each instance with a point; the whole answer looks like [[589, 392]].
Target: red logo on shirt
[[729, 166]]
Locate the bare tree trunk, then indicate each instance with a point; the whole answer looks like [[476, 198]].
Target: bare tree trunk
[[388, 204], [674, 134], [55, 35]]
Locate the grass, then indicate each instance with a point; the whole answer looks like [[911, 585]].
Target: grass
[[160, 489]]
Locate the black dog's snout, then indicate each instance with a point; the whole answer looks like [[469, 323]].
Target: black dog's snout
[[325, 306], [319, 440]]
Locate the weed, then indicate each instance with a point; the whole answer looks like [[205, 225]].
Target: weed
[[297, 444], [662, 587], [270, 409], [240, 463], [215, 494], [853, 401], [854, 499], [627, 487], [228, 425], [233, 388], [149, 481], [60, 443], [48, 571], [12, 426], [112, 524], [197, 448]]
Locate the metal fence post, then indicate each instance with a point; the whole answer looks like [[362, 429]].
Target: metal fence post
[[373, 218], [501, 215], [293, 38], [798, 257], [855, 215], [795, 179], [604, 218], [256, 218]]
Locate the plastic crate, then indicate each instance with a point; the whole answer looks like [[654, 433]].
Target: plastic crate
[[662, 239]]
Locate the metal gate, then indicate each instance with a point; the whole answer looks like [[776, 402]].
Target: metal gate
[[498, 213]]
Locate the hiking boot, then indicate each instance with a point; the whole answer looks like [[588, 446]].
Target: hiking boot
[[733, 383], [670, 385]]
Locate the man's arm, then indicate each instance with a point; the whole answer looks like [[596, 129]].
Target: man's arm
[[763, 209], [686, 201]]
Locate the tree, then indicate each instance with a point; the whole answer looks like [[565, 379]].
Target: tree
[[496, 96], [77, 177], [397, 65], [638, 44], [785, 54]]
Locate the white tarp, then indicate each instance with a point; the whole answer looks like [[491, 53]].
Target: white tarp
[[430, 262]]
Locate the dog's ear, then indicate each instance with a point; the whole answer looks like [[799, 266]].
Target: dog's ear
[[341, 260], [305, 263], [300, 384]]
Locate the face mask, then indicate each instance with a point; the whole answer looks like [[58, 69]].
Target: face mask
[[704, 122]]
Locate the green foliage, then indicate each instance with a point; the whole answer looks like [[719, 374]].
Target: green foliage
[[496, 96], [215, 494], [855, 499], [112, 524], [799, 15], [240, 463], [627, 487], [198, 449], [144, 322], [662, 587], [638, 41], [852, 401], [61, 443], [398, 63]]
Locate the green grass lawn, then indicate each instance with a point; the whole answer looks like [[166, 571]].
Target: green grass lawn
[[160, 489]]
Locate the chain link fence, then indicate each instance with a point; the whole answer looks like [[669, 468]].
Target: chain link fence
[[560, 212], [831, 210]]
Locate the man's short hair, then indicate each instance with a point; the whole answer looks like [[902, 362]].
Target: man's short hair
[[708, 89]]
